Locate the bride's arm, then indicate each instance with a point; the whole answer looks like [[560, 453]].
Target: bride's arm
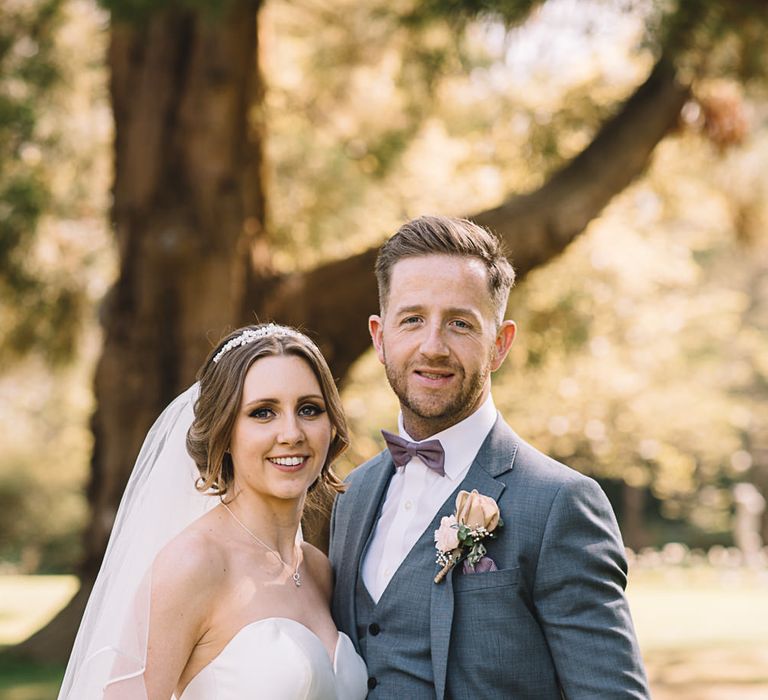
[[183, 583]]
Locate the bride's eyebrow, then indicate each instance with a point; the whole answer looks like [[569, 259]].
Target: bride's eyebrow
[[311, 397], [259, 401]]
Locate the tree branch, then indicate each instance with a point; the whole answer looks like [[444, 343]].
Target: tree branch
[[335, 299], [539, 225]]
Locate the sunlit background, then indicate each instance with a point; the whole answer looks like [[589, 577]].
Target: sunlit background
[[642, 352]]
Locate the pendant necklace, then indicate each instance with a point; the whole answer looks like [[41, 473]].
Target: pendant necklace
[[296, 576]]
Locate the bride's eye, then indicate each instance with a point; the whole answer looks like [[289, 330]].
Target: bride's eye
[[262, 413], [311, 410]]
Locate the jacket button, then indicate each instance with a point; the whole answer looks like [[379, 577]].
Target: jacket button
[[372, 683], [374, 629]]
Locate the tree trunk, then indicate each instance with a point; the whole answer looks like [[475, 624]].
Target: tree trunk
[[633, 527], [188, 210]]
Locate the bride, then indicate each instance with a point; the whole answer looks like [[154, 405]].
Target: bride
[[207, 591]]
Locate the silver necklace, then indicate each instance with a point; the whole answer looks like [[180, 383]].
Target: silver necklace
[[296, 576]]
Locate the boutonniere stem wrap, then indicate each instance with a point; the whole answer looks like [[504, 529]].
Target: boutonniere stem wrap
[[461, 535]]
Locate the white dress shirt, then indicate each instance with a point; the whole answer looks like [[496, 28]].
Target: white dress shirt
[[415, 494]]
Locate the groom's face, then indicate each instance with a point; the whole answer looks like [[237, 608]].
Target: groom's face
[[438, 340]]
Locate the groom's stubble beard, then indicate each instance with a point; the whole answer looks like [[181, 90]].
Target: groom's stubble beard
[[438, 411]]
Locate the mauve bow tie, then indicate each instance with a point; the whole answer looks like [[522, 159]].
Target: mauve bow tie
[[430, 452]]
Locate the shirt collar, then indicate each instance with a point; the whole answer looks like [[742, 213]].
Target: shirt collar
[[461, 441]]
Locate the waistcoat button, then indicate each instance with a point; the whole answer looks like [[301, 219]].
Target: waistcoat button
[[372, 683], [374, 629]]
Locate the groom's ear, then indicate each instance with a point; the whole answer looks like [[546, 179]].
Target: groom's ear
[[376, 329], [504, 339]]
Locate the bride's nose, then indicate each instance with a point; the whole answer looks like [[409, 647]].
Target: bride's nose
[[291, 431]]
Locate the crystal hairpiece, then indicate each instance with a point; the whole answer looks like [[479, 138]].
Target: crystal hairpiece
[[249, 336]]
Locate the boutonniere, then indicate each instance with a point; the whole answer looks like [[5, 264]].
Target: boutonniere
[[461, 535]]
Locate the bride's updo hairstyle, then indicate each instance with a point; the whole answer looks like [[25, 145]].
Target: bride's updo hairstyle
[[221, 392]]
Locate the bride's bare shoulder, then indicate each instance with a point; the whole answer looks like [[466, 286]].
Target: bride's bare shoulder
[[194, 558], [186, 580]]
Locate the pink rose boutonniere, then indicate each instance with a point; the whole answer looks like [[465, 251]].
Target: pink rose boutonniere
[[461, 535]]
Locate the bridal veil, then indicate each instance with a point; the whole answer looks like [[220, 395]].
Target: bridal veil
[[109, 655]]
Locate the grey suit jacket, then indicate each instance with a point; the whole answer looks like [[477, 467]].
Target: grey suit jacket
[[553, 616]]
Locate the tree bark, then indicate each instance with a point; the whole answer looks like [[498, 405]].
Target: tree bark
[[187, 183], [188, 212], [189, 219]]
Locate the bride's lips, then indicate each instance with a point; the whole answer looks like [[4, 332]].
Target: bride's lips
[[289, 463]]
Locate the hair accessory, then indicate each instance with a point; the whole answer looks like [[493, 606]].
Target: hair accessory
[[249, 336]]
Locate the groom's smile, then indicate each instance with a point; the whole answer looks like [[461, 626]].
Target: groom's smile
[[434, 378]]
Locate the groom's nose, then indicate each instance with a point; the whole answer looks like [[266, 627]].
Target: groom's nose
[[433, 343]]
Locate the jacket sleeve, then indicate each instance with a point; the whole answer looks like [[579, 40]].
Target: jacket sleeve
[[579, 598]]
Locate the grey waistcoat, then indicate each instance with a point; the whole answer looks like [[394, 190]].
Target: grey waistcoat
[[395, 633]]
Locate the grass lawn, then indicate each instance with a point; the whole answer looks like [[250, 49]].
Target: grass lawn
[[26, 682], [26, 603], [703, 633]]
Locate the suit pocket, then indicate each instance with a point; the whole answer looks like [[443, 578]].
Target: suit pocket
[[485, 581]]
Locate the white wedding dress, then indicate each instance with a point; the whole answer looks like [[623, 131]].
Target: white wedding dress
[[280, 659]]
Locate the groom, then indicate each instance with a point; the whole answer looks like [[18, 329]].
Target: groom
[[543, 616]]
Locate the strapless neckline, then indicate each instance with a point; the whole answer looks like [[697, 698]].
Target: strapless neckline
[[276, 640], [290, 620]]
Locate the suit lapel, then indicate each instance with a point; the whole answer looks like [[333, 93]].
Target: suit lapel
[[362, 518], [496, 456]]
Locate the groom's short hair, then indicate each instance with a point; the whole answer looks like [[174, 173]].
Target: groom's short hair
[[440, 235]]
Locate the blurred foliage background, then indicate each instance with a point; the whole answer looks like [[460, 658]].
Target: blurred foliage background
[[55, 266], [642, 356]]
